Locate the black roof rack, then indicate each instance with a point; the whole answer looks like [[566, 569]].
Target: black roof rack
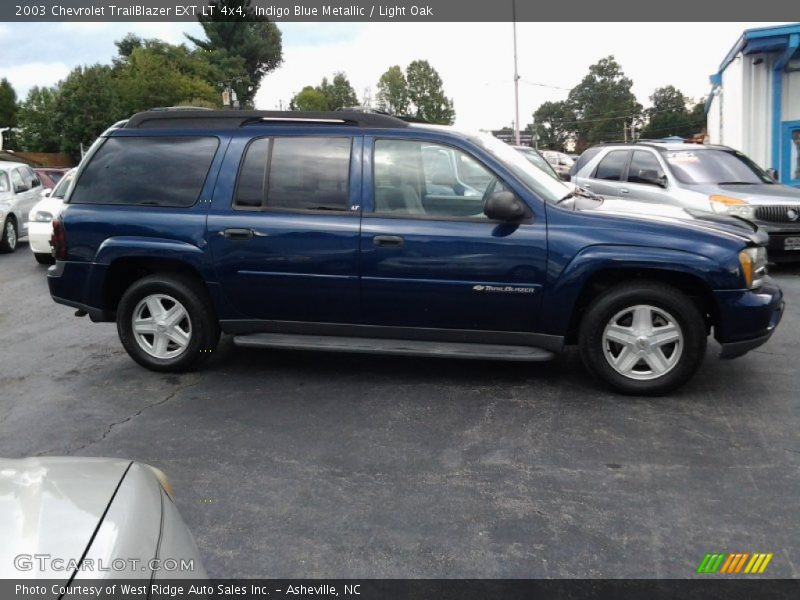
[[231, 119]]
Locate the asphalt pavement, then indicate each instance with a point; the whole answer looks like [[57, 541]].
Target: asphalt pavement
[[296, 464]]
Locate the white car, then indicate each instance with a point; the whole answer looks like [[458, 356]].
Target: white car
[[560, 162], [72, 519], [20, 189], [40, 219]]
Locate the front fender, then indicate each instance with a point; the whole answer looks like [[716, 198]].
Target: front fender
[[562, 294]]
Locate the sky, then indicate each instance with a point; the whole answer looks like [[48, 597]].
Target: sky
[[475, 60]]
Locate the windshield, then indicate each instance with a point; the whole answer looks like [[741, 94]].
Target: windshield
[[536, 160], [61, 189], [542, 184], [714, 166]]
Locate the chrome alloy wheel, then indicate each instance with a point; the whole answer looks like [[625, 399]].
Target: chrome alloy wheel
[[642, 342], [161, 326], [11, 234]]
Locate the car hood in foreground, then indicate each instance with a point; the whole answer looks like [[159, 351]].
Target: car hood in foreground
[[52, 506], [675, 215]]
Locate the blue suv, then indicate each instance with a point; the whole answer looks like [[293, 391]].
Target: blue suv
[[358, 232]]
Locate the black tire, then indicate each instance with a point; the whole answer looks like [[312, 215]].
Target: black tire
[[204, 327], [44, 259], [9, 244], [674, 303]]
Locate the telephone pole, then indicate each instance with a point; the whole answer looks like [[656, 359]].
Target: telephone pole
[[516, 74]]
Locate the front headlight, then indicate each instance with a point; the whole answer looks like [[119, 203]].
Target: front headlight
[[732, 206], [753, 262], [43, 216]]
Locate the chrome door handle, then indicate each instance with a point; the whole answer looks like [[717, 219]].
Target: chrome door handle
[[624, 191], [388, 241], [237, 234]]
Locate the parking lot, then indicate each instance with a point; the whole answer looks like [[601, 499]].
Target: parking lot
[[289, 464]]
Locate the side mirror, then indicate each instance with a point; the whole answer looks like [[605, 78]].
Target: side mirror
[[774, 174], [505, 206], [653, 177], [46, 192], [565, 177]]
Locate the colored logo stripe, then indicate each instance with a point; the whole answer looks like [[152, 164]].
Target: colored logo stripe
[[758, 563], [734, 563]]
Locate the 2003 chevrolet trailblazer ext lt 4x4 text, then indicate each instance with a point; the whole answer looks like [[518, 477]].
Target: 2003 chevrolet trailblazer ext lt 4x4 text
[[362, 232]]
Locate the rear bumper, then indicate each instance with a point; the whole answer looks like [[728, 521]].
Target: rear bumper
[[39, 235], [747, 318], [70, 284]]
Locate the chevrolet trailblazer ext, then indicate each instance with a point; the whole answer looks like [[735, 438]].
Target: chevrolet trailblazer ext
[[361, 232]]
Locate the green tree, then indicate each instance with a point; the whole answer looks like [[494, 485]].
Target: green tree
[[8, 104], [393, 92], [88, 102], [554, 123], [156, 73], [669, 114], [338, 94], [39, 129], [244, 46], [309, 99], [426, 94], [603, 104]]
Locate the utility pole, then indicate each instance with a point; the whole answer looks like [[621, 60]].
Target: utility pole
[[516, 74], [625, 130]]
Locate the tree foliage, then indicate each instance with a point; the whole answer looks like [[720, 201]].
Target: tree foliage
[[235, 35], [426, 94], [146, 73], [309, 99], [393, 91], [670, 115], [87, 103], [603, 104], [39, 129], [159, 74], [338, 94], [8, 104], [554, 124]]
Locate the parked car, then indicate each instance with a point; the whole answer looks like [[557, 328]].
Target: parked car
[[20, 189], [40, 220], [50, 176], [698, 177], [537, 160], [69, 519], [561, 163], [320, 231]]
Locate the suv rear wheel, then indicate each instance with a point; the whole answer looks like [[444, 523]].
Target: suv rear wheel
[[643, 338], [166, 323]]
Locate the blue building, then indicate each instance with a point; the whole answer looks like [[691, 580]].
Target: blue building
[[754, 104]]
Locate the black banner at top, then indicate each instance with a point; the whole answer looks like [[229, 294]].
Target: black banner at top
[[419, 11]]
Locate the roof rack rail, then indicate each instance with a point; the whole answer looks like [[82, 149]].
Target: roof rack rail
[[231, 119]]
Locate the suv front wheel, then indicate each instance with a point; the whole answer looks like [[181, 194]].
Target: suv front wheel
[[166, 323], [643, 338]]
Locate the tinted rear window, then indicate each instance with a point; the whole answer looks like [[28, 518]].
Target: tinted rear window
[[153, 171]]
